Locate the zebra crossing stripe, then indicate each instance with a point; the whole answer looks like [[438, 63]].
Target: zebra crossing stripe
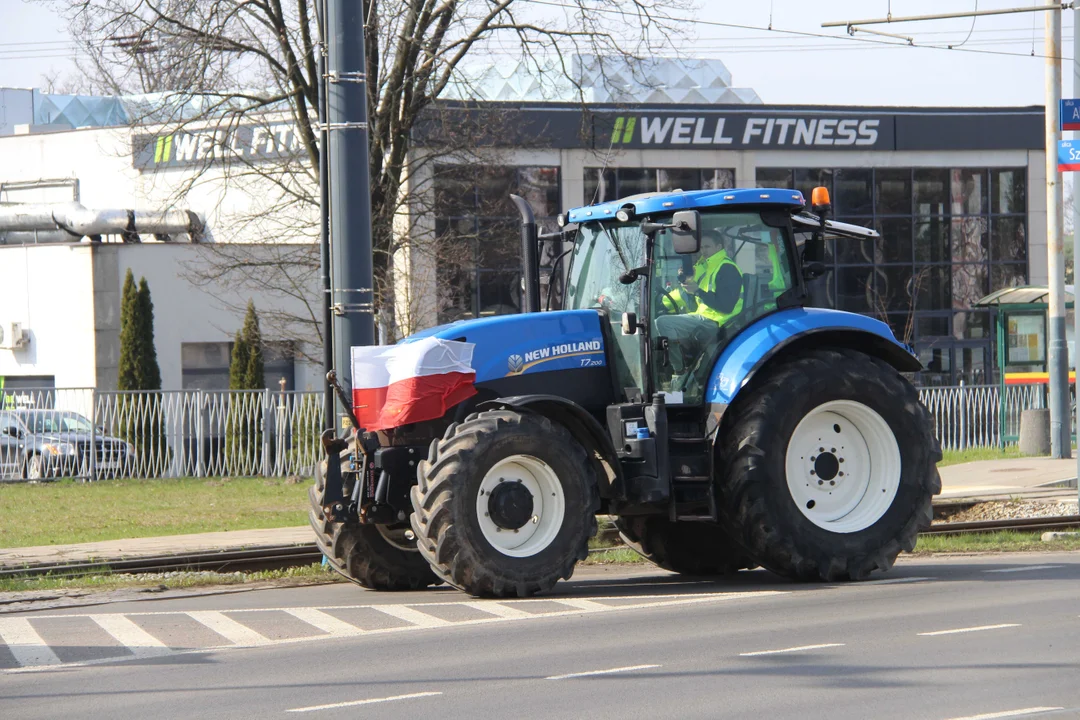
[[499, 610], [228, 628], [324, 621], [138, 641], [411, 616], [25, 644], [583, 604]]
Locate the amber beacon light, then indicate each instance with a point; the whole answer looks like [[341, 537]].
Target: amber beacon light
[[820, 196]]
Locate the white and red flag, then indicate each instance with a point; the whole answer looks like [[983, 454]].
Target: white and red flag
[[394, 385]]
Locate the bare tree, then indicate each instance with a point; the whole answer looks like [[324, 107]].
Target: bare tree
[[201, 57]]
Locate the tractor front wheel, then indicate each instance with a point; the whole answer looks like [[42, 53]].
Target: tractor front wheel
[[378, 557], [505, 504], [690, 548], [828, 466]]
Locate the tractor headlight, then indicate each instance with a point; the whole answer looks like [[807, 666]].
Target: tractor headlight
[[625, 214], [58, 448]]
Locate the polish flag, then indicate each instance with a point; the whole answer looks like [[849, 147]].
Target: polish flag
[[394, 385]]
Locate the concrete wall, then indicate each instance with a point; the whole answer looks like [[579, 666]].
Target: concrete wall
[[69, 297], [50, 290], [186, 313]]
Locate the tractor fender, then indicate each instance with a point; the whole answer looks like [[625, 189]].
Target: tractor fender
[[783, 333], [582, 425]]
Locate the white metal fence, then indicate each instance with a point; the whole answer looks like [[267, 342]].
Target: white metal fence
[[160, 434], [258, 432], [968, 416]]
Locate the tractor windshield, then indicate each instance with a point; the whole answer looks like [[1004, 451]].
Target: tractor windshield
[[603, 252]]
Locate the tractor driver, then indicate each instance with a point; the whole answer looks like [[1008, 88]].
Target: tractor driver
[[716, 290]]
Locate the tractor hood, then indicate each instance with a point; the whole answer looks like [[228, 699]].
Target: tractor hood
[[526, 344]]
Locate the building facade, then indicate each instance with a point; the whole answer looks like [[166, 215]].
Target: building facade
[[956, 193]]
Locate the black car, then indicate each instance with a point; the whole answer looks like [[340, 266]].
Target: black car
[[37, 444]]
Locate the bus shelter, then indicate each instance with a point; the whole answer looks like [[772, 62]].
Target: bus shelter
[[1020, 327]]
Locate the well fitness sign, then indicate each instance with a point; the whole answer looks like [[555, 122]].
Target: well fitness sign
[[251, 143], [732, 131]]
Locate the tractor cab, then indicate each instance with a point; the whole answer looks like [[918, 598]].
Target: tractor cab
[[678, 275]]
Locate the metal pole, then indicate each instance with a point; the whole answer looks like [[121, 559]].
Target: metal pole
[[324, 225], [1060, 445], [350, 193], [1076, 239]]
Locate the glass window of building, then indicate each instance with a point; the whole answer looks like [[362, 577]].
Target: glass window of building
[[605, 185], [478, 235], [949, 236]]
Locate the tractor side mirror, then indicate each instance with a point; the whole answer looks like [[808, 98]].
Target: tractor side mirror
[[629, 323], [686, 232]]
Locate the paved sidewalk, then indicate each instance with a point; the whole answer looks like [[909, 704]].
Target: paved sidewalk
[[1004, 477], [154, 546], [984, 479]]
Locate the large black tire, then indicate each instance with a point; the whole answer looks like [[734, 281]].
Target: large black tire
[[445, 516], [690, 548], [753, 494], [361, 552]]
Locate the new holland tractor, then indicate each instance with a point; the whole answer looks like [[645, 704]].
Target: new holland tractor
[[688, 387]]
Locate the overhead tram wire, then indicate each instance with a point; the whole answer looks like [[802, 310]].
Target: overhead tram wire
[[801, 33]]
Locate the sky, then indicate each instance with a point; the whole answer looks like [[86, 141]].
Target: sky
[[994, 66]]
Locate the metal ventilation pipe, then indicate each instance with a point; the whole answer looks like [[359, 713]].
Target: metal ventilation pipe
[[70, 222]]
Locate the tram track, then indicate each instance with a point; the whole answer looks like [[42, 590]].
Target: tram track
[[279, 557]]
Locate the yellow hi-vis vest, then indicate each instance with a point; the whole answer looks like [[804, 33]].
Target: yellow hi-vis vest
[[777, 283], [705, 272]]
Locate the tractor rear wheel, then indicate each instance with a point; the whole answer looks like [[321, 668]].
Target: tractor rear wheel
[[828, 466], [378, 557], [505, 504], [690, 548]]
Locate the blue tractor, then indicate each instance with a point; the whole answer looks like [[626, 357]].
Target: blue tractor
[[688, 387]]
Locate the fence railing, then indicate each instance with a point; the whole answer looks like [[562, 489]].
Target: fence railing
[[176, 433], [204, 433], [969, 416]]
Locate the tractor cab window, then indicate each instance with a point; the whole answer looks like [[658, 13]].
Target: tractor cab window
[[602, 253], [700, 302]]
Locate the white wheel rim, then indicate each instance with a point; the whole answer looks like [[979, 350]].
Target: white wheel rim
[[843, 466], [549, 506]]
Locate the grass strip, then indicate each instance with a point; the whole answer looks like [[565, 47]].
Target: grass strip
[[69, 511], [955, 457], [1001, 541]]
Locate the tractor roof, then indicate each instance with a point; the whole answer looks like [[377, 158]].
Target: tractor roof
[[660, 202]]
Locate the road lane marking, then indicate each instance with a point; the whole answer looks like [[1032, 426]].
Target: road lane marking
[[791, 649], [1009, 713], [141, 643], [414, 617], [324, 621], [1025, 568], [978, 628], [25, 644], [228, 628], [499, 610], [372, 701], [590, 673]]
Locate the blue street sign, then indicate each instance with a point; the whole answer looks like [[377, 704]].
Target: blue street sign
[[1069, 117], [1068, 155]]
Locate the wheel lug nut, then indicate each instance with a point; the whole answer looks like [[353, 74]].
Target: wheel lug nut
[[820, 482]]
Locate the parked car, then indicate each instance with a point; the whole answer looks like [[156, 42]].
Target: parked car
[[38, 444]]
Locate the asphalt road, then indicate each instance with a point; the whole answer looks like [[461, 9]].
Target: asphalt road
[[985, 637]]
